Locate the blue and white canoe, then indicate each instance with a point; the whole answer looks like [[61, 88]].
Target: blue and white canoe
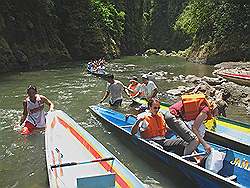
[[76, 159], [235, 164]]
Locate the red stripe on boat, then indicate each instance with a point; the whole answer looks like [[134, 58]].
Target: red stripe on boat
[[244, 76], [105, 164]]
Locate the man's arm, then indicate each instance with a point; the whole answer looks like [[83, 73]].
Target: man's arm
[[48, 102], [135, 128], [155, 91], [25, 113], [105, 96], [197, 123]]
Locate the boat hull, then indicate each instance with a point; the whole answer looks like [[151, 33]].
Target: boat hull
[[237, 78], [201, 176], [97, 74], [67, 142]]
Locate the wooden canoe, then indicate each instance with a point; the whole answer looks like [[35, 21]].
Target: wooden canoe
[[242, 79], [224, 131], [235, 163], [76, 159]]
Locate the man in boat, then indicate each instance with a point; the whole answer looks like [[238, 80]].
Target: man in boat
[[186, 118], [148, 88], [152, 126], [33, 114], [115, 89]]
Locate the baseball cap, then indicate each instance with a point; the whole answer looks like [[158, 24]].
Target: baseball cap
[[145, 76]]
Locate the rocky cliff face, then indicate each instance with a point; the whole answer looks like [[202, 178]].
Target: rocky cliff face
[[36, 33], [28, 35]]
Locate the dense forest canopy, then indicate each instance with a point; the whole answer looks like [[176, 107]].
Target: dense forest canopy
[[41, 32]]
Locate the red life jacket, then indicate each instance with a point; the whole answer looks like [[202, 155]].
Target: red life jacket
[[192, 106], [132, 87], [156, 126]]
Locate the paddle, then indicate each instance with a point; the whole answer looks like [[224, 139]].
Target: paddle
[[193, 155], [85, 162]]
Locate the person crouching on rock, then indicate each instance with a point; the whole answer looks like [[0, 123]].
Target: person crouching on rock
[[33, 114]]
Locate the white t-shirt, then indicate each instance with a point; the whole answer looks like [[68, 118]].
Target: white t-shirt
[[115, 90], [101, 69], [148, 89], [37, 118]]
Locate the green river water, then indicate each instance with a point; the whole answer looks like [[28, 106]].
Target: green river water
[[22, 159]]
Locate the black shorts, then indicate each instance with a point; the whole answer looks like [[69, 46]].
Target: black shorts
[[116, 103]]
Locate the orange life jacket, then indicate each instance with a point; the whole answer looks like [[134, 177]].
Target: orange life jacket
[[132, 87], [156, 126], [192, 106]]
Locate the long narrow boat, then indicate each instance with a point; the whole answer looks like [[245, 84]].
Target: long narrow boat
[[242, 79], [77, 159], [235, 164], [97, 74], [224, 131]]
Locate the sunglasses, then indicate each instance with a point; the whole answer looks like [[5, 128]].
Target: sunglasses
[[156, 108]]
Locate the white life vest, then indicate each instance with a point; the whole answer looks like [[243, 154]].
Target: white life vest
[[36, 115]]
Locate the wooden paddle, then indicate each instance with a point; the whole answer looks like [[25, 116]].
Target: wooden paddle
[[85, 162]]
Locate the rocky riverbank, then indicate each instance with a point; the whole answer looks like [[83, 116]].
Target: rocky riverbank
[[215, 87]]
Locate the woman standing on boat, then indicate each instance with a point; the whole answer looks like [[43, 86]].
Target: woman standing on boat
[[33, 113], [186, 118]]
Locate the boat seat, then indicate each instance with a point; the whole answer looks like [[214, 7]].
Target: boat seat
[[98, 181]]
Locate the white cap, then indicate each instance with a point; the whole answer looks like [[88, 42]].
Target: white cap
[[145, 76]]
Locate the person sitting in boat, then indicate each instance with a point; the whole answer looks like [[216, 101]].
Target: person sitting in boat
[[33, 114], [186, 118], [134, 85], [152, 126], [101, 68], [148, 88], [115, 89], [90, 66]]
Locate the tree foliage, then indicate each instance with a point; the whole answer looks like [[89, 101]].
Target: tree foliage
[[108, 17], [221, 26]]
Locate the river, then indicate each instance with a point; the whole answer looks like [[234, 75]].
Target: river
[[72, 90]]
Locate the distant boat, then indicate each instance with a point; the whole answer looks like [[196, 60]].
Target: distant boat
[[75, 159], [234, 172], [95, 73], [242, 79]]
